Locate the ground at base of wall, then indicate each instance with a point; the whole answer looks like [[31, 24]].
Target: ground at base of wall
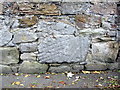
[[84, 79]]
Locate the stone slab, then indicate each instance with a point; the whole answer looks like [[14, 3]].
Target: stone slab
[[32, 67], [65, 48], [9, 55]]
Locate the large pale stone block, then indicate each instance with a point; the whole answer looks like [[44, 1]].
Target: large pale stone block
[[9, 55], [64, 48]]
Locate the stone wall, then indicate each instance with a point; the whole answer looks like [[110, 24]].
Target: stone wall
[[59, 36]]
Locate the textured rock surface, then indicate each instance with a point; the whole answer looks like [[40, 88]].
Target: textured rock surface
[[5, 69], [77, 68], [62, 68], [70, 35], [28, 47], [5, 37], [33, 67], [24, 36], [63, 49], [96, 66], [28, 56], [9, 55], [105, 51]]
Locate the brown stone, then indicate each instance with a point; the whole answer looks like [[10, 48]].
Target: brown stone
[[28, 21], [35, 8], [83, 20]]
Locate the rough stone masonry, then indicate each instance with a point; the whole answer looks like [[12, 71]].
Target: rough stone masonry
[[59, 36]]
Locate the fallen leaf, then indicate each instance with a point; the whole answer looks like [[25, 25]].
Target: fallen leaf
[[96, 72], [27, 75], [47, 77], [49, 87], [101, 78], [86, 72], [21, 84], [16, 83], [1, 74], [38, 76], [99, 85], [33, 86], [16, 74], [70, 74], [62, 82]]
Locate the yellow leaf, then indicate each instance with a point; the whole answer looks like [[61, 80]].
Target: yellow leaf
[[96, 72], [38, 76], [86, 72], [16, 83], [26, 75], [21, 84]]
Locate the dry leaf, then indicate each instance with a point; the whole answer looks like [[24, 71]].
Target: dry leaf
[[62, 82], [21, 84], [16, 83], [47, 77], [16, 74], [49, 87], [33, 86], [96, 72], [26, 75], [69, 75], [38, 76], [86, 72], [99, 85]]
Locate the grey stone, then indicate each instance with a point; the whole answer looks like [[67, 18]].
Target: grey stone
[[75, 8], [5, 69], [5, 36], [55, 28], [28, 47], [77, 68], [32, 67], [98, 31], [96, 66], [59, 69], [28, 56], [24, 36], [64, 48], [105, 51], [113, 66], [9, 55]]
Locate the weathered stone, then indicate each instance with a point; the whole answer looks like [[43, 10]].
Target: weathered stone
[[5, 69], [102, 39], [104, 8], [62, 68], [9, 55], [1, 8], [63, 49], [28, 47], [28, 56], [74, 8], [96, 66], [24, 36], [47, 28], [98, 31], [36, 8], [5, 37], [32, 67], [105, 51], [77, 68], [87, 21], [28, 21], [113, 66]]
